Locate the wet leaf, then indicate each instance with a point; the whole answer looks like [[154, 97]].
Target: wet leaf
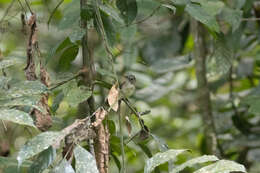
[[25, 88], [63, 167], [194, 161], [128, 10], [161, 158], [38, 144], [113, 97], [43, 161], [161, 143], [23, 101], [85, 162], [77, 95], [222, 166], [16, 116]]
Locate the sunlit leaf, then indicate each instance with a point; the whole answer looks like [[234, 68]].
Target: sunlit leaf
[[85, 162], [161, 158], [16, 116], [222, 166], [111, 12], [77, 95], [128, 10], [43, 161], [63, 167], [194, 161], [37, 144]]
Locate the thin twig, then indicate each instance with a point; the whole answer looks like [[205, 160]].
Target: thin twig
[[121, 139], [250, 19], [7, 11], [65, 81], [28, 5], [52, 13], [145, 18]]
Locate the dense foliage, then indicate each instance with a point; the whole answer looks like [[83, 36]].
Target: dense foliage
[[196, 104]]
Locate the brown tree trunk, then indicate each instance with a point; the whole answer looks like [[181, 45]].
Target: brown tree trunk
[[204, 102]]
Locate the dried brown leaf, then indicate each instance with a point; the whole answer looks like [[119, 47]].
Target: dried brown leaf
[[100, 114], [113, 97], [128, 125]]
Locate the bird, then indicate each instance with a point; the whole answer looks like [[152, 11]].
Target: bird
[[127, 87]]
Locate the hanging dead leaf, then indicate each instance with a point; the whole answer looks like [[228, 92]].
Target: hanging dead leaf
[[113, 96], [144, 133], [100, 115], [128, 125]]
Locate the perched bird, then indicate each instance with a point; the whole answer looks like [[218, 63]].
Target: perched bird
[[127, 87]]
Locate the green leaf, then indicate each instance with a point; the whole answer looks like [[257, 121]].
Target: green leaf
[[77, 95], [9, 62], [161, 143], [253, 101], [25, 88], [118, 164], [128, 10], [130, 55], [12, 162], [171, 64], [77, 34], [67, 56], [222, 166], [161, 158], [43, 161], [31, 101], [85, 162], [109, 28], [221, 60], [110, 11], [56, 102], [4, 82], [232, 17], [16, 116], [61, 45], [71, 15], [194, 161], [205, 12], [38, 144], [63, 167]]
